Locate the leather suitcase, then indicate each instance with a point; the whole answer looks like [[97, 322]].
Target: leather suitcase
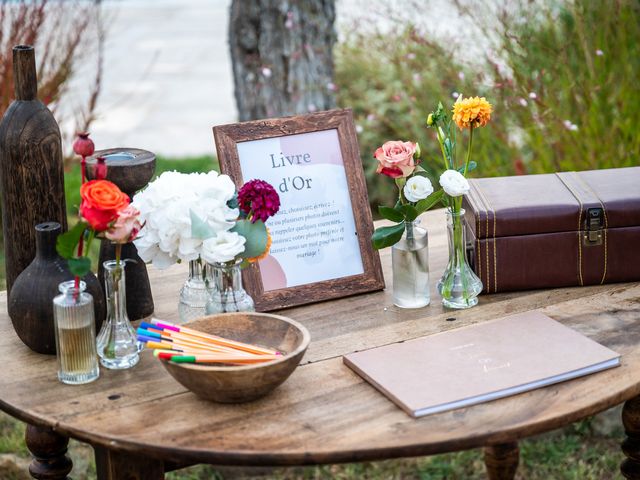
[[554, 230]]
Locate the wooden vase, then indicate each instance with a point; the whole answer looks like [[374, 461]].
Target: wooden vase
[[31, 299], [130, 169], [32, 178]]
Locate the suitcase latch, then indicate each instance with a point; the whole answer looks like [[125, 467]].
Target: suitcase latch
[[593, 227]]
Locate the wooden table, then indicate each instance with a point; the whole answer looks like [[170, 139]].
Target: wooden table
[[142, 423]]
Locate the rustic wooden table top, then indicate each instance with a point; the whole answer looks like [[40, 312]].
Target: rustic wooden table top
[[325, 412]]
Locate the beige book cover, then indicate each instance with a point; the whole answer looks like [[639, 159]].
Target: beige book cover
[[479, 363]]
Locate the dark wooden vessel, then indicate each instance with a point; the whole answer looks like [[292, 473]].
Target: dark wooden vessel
[[30, 302], [130, 169], [32, 178]]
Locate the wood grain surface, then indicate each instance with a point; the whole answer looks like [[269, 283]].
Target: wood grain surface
[[325, 413]]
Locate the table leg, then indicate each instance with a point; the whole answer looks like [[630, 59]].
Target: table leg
[[49, 450], [630, 467], [502, 461], [112, 465]]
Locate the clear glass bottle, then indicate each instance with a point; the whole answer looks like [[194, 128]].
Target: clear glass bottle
[[227, 293], [118, 347], [75, 334], [195, 292], [410, 265], [459, 286]]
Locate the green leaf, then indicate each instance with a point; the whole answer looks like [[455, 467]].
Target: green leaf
[[390, 214], [387, 236], [429, 202], [418, 169], [67, 243], [421, 173], [472, 166], [199, 228], [400, 182], [410, 213], [255, 235], [80, 266]]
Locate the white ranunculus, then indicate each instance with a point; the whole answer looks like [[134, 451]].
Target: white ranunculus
[[417, 188], [224, 247], [453, 183], [165, 207]]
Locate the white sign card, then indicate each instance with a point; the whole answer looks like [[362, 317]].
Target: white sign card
[[314, 233]]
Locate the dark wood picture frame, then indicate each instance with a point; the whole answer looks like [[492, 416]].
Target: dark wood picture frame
[[228, 136]]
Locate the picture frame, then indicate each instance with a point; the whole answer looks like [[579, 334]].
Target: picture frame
[[317, 252]]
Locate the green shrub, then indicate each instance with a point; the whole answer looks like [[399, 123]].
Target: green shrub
[[561, 76]]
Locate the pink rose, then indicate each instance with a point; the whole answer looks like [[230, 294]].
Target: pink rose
[[396, 159], [126, 227]]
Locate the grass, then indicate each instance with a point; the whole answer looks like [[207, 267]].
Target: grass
[[574, 453]]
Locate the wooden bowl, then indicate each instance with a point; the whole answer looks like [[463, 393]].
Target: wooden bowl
[[237, 384]]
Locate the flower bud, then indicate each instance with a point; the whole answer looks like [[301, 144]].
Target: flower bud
[[100, 169], [430, 119], [83, 145]]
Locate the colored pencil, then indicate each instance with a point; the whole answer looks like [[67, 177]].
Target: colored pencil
[[186, 339], [213, 338], [217, 358]]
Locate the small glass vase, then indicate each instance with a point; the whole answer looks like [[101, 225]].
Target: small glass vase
[[227, 293], [75, 334], [459, 286], [118, 347], [410, 265], [195, 292]]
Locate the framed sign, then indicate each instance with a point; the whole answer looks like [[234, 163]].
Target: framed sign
[[321, 237]]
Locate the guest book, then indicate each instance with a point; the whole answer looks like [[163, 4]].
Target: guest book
[[480, 363]]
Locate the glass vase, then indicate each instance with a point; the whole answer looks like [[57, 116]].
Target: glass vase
[[75, 334], [195, 292], [227, 293], [459, 286], [118, 347], [410, 265]]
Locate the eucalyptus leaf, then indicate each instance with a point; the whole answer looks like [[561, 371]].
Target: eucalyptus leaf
[[472, 166], [255, 235], [390, 214], [429, 202], [386, 236], [79, 266], [199, 228], [66, 243]]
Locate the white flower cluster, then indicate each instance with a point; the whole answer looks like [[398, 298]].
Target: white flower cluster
[[165, 209], [453, 183]]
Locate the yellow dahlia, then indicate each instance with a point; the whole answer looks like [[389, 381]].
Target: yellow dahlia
[[471, 112], [266, 250]]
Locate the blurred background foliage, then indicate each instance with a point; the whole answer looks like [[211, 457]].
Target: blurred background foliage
[[562, 77]]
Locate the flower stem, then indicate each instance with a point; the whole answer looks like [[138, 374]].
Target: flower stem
[[441, 139], [83, 168], [466, 164]]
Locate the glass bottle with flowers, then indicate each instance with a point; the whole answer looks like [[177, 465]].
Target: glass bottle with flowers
[[105, 212], [197, 218], [247, 242], [459, 286], [409, 242]]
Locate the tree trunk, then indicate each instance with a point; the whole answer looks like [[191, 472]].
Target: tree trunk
[[281, 52]]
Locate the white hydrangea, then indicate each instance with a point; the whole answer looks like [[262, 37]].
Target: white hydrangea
[[165, 207]]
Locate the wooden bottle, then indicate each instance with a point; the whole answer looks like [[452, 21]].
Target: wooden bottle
[[31, 300], [31, 175]]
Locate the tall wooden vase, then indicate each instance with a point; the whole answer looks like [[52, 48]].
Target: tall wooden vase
[[130, 169], [32, 179]]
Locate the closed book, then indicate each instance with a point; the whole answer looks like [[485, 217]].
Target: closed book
[[480, 363]]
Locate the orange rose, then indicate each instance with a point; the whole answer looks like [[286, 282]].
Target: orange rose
[[101, 202]]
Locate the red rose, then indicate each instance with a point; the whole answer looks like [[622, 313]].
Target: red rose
[[101, 202]]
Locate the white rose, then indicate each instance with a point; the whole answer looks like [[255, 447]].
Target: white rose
[[223, 247], [417, 188], [453, 183]]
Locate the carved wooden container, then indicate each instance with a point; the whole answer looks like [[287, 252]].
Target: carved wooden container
[[32, 178]]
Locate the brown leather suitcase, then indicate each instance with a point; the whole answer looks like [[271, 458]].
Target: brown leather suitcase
[[555, 230]]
